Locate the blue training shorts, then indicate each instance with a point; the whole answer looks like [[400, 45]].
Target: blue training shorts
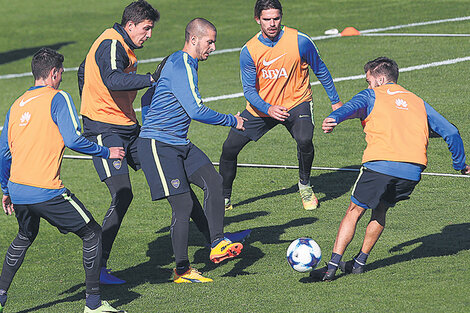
[[167, 167], [372, 187]]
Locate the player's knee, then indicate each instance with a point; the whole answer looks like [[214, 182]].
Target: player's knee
[[233, 145], [29, 237], [123, 198], [304, 143], [91, 231]]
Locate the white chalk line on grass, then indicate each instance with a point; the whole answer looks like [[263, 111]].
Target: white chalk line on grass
[[414, 35], [277, 166], [340, 79], [363, 32], [356, 77]]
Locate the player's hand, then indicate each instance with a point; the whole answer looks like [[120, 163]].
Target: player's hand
[[7, 205], [328, 125], [336, 106], [240, 121], [116, 153], [278, 112], [466, 170]]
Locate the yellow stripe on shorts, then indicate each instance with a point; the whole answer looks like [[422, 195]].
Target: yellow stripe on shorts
[[358, 177], [77, 207], [105, 163], [159, 168]]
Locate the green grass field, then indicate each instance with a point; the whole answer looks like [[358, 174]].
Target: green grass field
[[427, 271]]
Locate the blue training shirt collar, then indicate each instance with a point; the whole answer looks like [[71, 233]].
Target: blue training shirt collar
[[195, 61]]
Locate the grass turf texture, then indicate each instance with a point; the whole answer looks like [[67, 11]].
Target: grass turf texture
[[430, 273]]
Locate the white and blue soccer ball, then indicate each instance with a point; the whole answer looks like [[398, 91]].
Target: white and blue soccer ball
[[303, 254]]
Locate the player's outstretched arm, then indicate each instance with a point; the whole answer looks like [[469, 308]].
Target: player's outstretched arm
[[328, 125], [116, 153]]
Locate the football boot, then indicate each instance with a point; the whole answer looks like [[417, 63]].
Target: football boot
[[191, 276]]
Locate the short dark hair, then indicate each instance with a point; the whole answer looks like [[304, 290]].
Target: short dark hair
[[44, 61], [266, 5], [197, 27], [383, 66], [139, 11]]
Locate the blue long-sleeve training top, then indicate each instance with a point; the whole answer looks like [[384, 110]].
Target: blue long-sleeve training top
[[176, 101], [308, 52], [361, 105], [66, 119]]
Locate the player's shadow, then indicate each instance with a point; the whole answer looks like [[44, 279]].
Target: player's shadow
[[250, 255], [153, 271], [451, 240], [14, 55], [332, 184]]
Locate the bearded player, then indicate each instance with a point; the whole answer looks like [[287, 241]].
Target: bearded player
[[274, 67]]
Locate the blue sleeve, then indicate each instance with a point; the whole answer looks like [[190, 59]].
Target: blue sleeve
[[309, 53], [248, 76], [65, 116], [184, 85], [145, 101], [359, 106], [5, 157], [449, 133], [112, 60]]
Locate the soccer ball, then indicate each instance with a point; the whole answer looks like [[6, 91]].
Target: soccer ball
[[303, 254]]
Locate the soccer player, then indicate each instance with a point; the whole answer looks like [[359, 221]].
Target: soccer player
[[275, 77], [171, 162], [38, 126], [108, 84], [396, 123]]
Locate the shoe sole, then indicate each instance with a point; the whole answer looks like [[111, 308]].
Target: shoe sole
[[231, 252]]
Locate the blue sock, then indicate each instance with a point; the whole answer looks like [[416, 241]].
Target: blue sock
[[3, 297], [335, 258], [360, 259], [93, 301]]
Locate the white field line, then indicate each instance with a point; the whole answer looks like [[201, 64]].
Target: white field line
[[340, 79], [414, 35], [376, 30], [276, 166], [356, 77], [366, 31]]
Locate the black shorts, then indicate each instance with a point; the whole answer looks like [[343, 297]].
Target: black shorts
[[110, 135], [371, 188], [167, 167], [65, 212], [256, 127]]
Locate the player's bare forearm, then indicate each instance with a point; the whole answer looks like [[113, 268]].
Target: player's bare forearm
[[336, 105]]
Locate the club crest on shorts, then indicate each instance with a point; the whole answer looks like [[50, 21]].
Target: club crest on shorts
[[117, 164], [175, 183]]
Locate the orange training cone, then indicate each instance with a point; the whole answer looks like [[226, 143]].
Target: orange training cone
[[350, 31]]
